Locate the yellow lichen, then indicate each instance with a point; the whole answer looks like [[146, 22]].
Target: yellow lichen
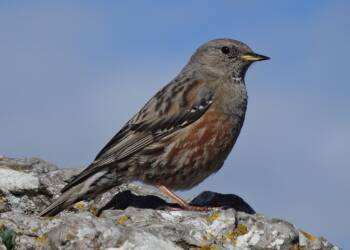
[[79, 205], [3, 199], [42, 239], [122, 219], [213, 217], [240, 230], [309, 236], [70, 235], [297, 247], [208, 247], [93, 210]]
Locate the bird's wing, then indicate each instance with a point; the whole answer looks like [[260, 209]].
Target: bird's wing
[[173, 108]]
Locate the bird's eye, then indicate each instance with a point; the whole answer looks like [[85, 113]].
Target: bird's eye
[[225, 50]]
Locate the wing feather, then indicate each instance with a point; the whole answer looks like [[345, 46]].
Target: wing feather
[[138, 134]]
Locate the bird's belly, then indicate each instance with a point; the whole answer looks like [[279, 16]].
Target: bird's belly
[[194, 153]]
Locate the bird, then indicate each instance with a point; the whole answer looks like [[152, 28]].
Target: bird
[[182, 135]]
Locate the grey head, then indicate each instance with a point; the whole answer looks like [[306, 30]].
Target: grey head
[[225, 57]]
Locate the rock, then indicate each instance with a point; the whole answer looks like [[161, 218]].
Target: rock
[[125, 199], [17, 182], [131, 217], [212, 199], [29, 165]]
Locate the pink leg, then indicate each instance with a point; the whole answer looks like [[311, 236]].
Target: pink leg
[[183, 204]]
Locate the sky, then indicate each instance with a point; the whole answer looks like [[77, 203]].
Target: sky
[[73, 72]]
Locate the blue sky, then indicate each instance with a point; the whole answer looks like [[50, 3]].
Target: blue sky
[[72, 73]]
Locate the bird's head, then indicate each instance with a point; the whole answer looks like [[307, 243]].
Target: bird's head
[[226, 56]]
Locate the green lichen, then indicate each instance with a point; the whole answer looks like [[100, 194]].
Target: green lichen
[[8, 237]]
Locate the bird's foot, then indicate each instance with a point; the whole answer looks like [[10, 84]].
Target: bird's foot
[[189, 207], [183, 204]]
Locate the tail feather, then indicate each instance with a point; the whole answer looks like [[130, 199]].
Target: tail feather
[[88, 188], [67, 199]]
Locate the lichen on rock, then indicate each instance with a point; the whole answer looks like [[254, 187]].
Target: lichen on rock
[[131, 217]]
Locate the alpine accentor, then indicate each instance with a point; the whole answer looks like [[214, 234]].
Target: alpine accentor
[[181, 136]]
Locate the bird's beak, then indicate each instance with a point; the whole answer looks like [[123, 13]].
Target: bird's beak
[[253, 57]]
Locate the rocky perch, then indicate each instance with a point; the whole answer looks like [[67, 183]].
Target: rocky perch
[[131, 217]]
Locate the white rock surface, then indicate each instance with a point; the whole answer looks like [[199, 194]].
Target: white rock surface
[[16, 181], [28, 185]]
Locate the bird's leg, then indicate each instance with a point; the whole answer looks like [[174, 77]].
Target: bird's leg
[[183, 204]]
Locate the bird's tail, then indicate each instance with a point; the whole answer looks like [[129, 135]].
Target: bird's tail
[[87, 188], [67, 199]]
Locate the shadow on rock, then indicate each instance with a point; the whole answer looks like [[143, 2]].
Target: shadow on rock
[[127, 199]]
